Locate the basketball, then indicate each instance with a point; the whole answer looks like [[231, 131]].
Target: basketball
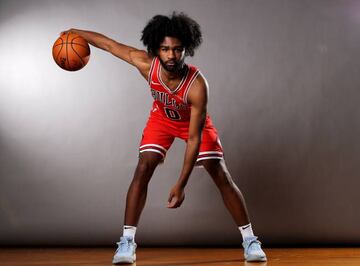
[[71, 52]]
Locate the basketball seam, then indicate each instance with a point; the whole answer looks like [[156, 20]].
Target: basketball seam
[[67, 58], [83, 64], [56, 58], [75, 38]]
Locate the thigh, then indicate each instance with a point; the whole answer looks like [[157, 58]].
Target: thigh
[[218, 171], [152, 159], [215, 167], [147, 163], [156, 138], [210, 147]]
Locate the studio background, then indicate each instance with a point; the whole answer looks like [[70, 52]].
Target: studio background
[[284, 96]]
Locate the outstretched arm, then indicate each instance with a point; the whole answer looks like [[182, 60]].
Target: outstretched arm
[[197, 97], [138, 58]]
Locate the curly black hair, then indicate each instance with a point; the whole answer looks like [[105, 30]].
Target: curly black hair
[[179, 25]]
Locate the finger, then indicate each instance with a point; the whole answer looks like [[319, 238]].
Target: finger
[[170, 197], [179, 202], [172, 203], [65, 32]]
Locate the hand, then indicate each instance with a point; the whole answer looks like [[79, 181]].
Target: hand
[[176, 197], [67, 31]]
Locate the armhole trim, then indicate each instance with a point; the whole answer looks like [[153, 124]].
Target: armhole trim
[[151, 70], [187, 89]]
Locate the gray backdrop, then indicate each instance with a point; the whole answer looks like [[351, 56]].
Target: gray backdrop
[[284, 92]]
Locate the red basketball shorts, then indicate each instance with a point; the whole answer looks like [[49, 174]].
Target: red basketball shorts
[[160, 132]]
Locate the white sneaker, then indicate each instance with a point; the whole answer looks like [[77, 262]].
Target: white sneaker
[[252, 249], [125, 253]]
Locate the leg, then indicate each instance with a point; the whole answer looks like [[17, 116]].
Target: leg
[[233, 198], [211, 156], [136, 196], [154, 144], [235, 203]]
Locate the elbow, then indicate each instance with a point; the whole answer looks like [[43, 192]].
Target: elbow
[[107, 47]]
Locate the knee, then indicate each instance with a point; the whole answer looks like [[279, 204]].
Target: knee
[[146, 166], [219, 174], [224, 181]]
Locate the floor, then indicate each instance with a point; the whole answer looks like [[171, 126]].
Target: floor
[[179, 256]]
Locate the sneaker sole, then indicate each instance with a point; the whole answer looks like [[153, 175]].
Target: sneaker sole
[[124, 260], [255, 258]]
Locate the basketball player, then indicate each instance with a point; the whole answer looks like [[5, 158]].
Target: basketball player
[[179, 110]]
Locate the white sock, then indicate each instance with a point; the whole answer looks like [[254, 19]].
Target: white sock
[[129, 231], [246, 231]]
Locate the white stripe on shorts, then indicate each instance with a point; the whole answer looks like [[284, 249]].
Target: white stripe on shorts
[[154, 145], [157, 151]]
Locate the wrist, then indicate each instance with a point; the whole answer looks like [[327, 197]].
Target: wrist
[[181, 184]]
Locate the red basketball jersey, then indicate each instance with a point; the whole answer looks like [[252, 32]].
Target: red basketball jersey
[[172, 104]]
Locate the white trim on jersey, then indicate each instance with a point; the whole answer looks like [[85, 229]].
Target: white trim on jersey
[[187, 89], [178, 86], [153, 150], [153, 145], [209, 157], [151, 70], [210, 152]]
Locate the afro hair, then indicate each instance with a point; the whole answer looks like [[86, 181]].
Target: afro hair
[[179, 25]]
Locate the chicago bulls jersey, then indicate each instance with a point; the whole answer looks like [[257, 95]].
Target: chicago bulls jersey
[[172, 104], [170, 117]]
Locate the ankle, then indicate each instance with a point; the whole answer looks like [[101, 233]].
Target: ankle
[[246, 231], [129, 231]]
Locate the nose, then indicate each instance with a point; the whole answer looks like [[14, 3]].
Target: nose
[[171, 54]]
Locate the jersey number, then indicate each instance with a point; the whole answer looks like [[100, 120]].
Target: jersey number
[[172, 114]]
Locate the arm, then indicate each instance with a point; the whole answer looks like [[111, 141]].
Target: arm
[[138, 58], [197, 97]]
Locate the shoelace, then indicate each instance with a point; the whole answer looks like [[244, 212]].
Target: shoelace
[[254, 244], [123, 245]]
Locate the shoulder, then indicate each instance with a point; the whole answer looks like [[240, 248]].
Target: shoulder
[[199, 89], [200, 81], [142, 61], [140, 58]]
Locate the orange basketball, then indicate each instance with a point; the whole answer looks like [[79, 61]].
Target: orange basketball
[[71, 52]]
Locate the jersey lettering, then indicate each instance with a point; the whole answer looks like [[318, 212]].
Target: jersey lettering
[[172, 104]]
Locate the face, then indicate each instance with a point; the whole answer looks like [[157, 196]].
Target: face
[[171, 54]]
